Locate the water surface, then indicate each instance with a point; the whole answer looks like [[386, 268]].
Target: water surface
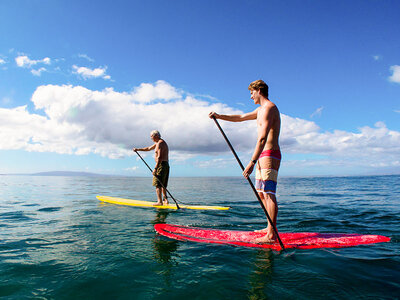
[[57, 241]]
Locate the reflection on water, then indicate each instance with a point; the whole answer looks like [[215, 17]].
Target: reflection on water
[[161, 216], [261, 274], [164, 249]]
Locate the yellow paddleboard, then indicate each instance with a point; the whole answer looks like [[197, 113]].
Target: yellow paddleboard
[[131, 202]]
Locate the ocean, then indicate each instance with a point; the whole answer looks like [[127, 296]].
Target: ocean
[[57, 241]]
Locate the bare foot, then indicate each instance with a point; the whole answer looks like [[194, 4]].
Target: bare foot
[[165, 201], [265, 240], [261, 230], [157, 204]]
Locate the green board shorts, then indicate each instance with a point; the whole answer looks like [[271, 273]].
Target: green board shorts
[[162, 174]]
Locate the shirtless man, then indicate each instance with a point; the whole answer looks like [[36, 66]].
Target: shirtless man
[[267, 155], [161, 170]]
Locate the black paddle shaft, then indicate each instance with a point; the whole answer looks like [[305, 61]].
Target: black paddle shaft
[[158, 180], [250, 182]]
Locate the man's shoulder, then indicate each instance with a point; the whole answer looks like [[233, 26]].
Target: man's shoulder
[[268, 106], [268, 110], [271, 106]]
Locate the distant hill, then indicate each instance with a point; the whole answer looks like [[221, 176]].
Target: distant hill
[[67, 173]]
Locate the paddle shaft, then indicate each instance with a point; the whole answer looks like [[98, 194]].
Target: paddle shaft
[[158, 180], [250, 182]]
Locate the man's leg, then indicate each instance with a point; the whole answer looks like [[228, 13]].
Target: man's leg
[[271, 205], [159, 196], [165, 182], [272, 209], [264, 201], [165, 199]]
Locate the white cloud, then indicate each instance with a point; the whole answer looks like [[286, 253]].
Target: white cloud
[[38, 72], [90, 73], [24, 61], [80, 121], [317, 112], [396, 74], [376, 143], [85, 56], [2, 61], [121, 120], [148, 92], [33, 132]]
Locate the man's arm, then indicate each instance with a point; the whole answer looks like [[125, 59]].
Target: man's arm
[[145, 149], [235, 118]]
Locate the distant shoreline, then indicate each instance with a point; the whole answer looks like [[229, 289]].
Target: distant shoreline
[[88, 174], [60, 173]]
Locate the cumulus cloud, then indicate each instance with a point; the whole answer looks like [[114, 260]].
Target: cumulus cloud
[[376, 141], [2, 61], [123, 120], [76, 120], [33, 132], [87, 73], [395, 77], [148, 92], [24, 61]]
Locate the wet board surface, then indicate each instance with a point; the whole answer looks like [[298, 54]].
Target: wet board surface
[[131, 202], [299, 240]]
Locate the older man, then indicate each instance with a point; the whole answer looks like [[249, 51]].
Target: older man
[[161, 170]]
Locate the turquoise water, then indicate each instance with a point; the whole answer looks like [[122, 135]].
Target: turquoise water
[[57, 241]]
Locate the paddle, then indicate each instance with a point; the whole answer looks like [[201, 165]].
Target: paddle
[[158, 179], [250, 182]]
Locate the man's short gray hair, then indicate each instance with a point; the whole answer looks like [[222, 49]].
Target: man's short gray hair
[[155, 133]]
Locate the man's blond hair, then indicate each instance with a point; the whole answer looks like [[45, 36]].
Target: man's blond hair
[[261, 86]]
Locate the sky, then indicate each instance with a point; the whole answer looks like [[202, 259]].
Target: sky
[[83, 82]]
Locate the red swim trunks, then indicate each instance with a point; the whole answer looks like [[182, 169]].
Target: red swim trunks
[[272, 153]]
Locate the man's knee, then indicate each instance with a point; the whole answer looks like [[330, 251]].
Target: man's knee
[[270, 197]]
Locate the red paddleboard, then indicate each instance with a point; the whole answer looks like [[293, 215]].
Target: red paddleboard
[[299, 240]]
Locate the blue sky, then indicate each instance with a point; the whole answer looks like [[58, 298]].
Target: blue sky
[[82, 82]]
